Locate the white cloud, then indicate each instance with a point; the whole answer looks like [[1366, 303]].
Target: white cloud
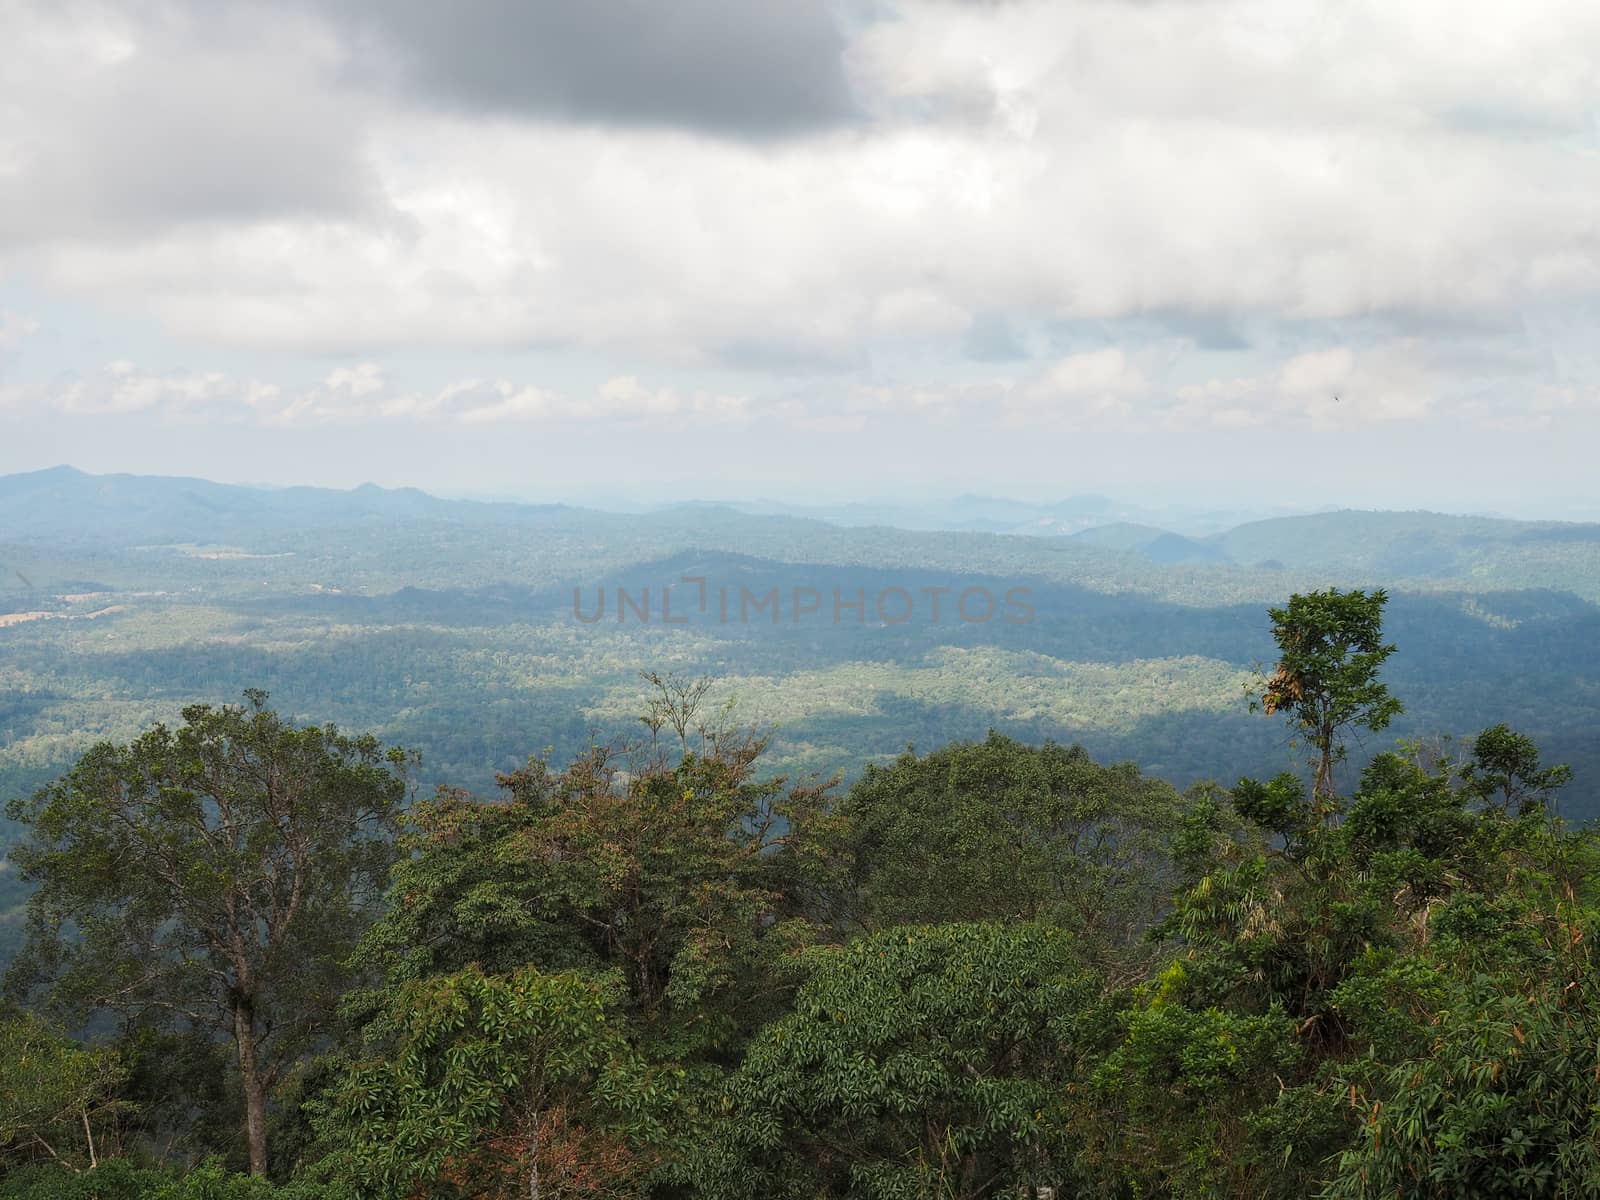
[[1106, 390], [1095, 373], [1088, 161], [121, 387], [360, 380], [1331, 387], [362, 395]]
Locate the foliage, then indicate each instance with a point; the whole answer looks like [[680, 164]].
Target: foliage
[[997, 830], [121, 1179], [1374, 995], [673, 874], [1330, 647], [496, 1086], [918, 1061], [212, 878], [671, 868], [662, 971], [1500, 1103], [1505, 770], [1170, 1101], [53, 1094]]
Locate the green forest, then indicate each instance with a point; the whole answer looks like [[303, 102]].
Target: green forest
[[799, 600], [449, 627], [263, 958]]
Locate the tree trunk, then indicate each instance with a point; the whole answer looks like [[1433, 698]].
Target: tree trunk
[[533, 1158], [1322, 791], [255, 1096]]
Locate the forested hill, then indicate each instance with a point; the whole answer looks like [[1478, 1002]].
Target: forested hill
[[450, 624], [62, 509], [655, 970], [1192, 980]]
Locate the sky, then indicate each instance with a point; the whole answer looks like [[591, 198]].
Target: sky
[[1272, 253]]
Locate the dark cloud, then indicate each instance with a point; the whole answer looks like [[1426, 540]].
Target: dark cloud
[[751, 68]]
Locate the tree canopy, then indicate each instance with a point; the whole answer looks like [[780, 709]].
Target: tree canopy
[[660, 971]]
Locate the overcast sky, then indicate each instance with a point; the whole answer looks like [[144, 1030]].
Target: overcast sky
[[1343, 252]]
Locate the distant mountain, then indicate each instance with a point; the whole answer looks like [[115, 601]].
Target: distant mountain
[[380, 537], [1173, 549], [63, 505], [1382, 546], [1415, 545], [1157, 545], [990, 514], [1120, 535]]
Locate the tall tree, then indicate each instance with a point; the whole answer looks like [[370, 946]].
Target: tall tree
[[1505, 771], [213, 877], [1330, 647]]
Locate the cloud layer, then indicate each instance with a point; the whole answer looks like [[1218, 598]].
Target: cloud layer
[[1159, 215]]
